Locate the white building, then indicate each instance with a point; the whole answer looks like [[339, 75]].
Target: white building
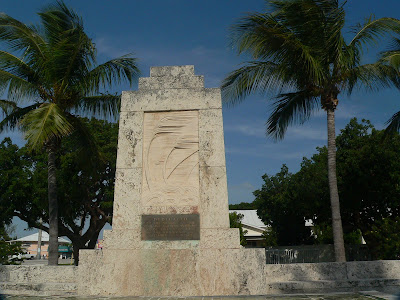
[[30, 243], [254, 226]]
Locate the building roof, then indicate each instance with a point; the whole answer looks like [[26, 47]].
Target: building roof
[[250, 218], [45, 238]]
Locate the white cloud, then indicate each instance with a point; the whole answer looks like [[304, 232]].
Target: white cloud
[[304, 132], [243, 186], [344, 111], [107, 48], [256, 129]]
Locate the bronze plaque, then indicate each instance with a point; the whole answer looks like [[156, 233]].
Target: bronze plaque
[[170, 227]]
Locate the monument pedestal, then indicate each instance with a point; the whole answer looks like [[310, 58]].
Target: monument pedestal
[[171, 234], [173, 272]]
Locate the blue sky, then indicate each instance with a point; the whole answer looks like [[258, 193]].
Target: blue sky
[[195, 32]]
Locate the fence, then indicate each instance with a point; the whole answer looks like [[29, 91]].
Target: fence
[[313, 254]]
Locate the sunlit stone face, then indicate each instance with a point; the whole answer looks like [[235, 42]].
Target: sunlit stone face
[[170, 158]]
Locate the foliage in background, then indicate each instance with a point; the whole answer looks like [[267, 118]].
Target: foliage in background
[[6, 249], [270, 237], [235, 221], [86, 194], [50, 73], [276, 208], [302, 61], [242, 205], [368, 164], [384, 234]]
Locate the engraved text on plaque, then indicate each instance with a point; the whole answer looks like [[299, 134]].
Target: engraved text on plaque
[[170, 227]]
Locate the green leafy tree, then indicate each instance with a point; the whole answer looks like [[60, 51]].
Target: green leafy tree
[[242, 205], [235, 221], [270, 237], [299, 54], [86, 193], [277, 206], [392, 57], [384, 234], [368, 175], [52, 68], [7, 250], [368, 164]]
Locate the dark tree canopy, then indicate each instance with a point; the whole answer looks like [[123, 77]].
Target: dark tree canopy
[[235, 221], [300, 55], [368, 164], [7, 250], [85, 193], [242, 205], [51, 76], [277, 207]]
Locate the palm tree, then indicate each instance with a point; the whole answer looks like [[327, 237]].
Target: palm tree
[[300, 55], [51, 68], [392, 58]]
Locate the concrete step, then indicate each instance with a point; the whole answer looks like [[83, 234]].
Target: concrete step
[[296, 287], [39, 289]]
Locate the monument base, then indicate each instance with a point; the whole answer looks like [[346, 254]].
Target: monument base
[[172, 272]]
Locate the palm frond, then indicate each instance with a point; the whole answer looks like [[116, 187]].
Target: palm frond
[[113, 71], [18, 88], [12, 120], [265, 37], [393, 124], [86, 144], [72, 51], [44, 123], [372, 77], [255, 76], [373, 30], [16, 66], [57, 19], [21, 37], [105, 105], [7, 107], [288, 109], [392, 56]]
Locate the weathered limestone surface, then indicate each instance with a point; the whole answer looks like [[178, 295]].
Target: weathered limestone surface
[[171, 160], [38, 280], [38, 273], [333, 277], [244, 272], [175, 272], [159, 100], [171, 135]]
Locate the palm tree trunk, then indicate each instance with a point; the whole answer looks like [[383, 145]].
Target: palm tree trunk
[[53, 203], [333, 189]]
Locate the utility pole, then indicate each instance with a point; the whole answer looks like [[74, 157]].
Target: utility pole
[[39, 247]]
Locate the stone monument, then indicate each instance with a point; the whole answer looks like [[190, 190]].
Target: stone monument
[[171, 234]]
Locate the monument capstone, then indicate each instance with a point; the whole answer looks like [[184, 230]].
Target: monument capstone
[[170, 234]]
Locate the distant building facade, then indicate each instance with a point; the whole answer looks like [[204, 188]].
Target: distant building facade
[[30, 245], [254, 227]]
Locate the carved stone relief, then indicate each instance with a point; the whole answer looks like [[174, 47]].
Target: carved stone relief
[[170, 159]]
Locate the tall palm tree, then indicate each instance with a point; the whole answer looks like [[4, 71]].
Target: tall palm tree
[[298, 53], [392, 57], [51, 70]]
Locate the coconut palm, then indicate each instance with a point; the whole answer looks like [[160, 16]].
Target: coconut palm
[[392, 58], [51, 77], [300, 55]]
